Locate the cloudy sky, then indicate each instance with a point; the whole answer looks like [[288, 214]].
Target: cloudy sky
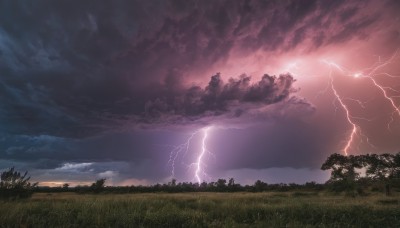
[[140, 92]]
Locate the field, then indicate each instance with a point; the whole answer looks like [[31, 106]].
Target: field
[[272, 209]]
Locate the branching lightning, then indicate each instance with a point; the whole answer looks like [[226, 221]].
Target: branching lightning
[[174, 154], [372, 72], [383, 89], [355, 128], [199, 165], [371, 75], [384, 92]]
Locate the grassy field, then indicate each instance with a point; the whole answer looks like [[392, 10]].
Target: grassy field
[[291, 209]]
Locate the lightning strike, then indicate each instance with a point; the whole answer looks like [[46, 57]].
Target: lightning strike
[[348, 116], [359, 74], [384, 92], [183, 149], [380, 87], [178, 150], [377, 66], [199, 162]]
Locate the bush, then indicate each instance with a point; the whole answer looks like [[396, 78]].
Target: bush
[[13, 185]]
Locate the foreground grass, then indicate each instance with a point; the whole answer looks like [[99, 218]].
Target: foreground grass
[[201, 210]]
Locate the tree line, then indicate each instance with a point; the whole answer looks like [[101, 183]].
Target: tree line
[[221, 185], [358, 171], [354, 174]]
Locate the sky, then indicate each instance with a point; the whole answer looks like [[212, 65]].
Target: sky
[[140, 92]]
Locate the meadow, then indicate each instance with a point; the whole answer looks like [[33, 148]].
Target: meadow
[[241, 209]]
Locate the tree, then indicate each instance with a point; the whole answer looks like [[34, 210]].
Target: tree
[[259, 186], [343, 167], [231, 182], [13, 184], [221, 184], [383, 167], [343, 174], [172, 183], [203, 185], [65, 186], [98, 185], [396, 161]]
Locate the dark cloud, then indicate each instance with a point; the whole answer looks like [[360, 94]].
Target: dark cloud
[[219, 98], [78, 80], [134, 149], [76, 70]]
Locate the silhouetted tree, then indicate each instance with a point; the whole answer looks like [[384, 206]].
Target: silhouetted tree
[[343, 167], [221, 184], [231, 182], [259, 186], [172, 183], [231, 185], [343, 174], [203, 186], [383, 167], [98, 186], [378, 168], [13, 184], [396, 160]]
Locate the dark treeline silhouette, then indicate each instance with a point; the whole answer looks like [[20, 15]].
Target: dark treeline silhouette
[[351, 174], [221, 185], [379, 169]]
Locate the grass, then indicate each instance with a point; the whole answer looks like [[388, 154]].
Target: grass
[[291, 209]]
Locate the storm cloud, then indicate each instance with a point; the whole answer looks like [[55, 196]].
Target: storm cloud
[[112, 86], [219, 98], [78, 69]]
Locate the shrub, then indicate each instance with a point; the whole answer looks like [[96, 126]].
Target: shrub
[[13, 185]]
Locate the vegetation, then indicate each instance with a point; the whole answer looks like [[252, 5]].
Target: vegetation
[[379, 169], [98, 186], [382, 173], [174, 187], [268, 209], [13, 185]]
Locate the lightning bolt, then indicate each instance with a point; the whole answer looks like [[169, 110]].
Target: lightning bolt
[[183, 149], [359, 74], [384, 92], [383, 89], [199, 162], [348, 116], [372, 73]]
